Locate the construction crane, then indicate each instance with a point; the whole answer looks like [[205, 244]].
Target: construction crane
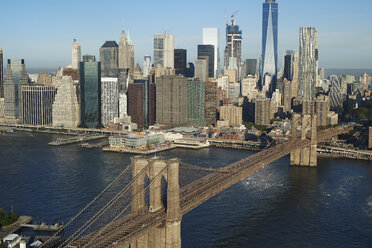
[[232, 17]]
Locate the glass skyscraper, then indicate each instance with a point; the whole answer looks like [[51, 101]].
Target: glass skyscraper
[[211, 37], [15, 77], [269, 42], [90, 87], [207, 50], [109, 58]]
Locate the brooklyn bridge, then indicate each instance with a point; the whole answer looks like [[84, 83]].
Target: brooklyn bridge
[[144, 205]]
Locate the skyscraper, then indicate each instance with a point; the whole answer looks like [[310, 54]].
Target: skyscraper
[[335, 94], [76, 54], [141, 102], [251, 67], [109, 100], [269, 42], [171, 100], [1, 74], [180, 61], [164, 50], [37, 102], [66, 109], [90, 94], [196, 103], [109, 58], [208, 51], [15, 78], [126, 52], [233, 49], [211, 37], [308, 63], [288, 65]]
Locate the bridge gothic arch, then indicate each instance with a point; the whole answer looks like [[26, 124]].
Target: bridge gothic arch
[[305, 156], [167, 235]]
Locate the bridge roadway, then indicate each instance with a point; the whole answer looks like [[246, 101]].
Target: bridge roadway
[[130, 227]]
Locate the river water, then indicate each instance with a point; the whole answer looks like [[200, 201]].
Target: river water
[[280, 206]]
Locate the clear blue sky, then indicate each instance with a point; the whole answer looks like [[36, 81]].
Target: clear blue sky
[[41, 31]]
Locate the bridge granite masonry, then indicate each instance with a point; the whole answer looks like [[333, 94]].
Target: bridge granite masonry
[[135, 213]]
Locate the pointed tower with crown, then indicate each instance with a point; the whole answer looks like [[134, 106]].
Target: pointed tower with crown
[[126, 52]]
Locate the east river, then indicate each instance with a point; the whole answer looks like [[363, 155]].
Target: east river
[[280, 206]]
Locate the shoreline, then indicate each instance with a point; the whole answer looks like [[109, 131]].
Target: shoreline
[[224, 145]]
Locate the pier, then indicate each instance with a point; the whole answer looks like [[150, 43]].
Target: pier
[[78, 139], [15, 227]]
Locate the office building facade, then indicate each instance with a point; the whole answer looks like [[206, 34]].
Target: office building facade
[[164, 50], [233, 114], [211, 37], [66, 108], [335, 93], [15, 77], [180, 61], [141, 102], [262, 111], [171, 101], [196, 103], [90, 94], [109, 100], [288, 65], [207, 51], [211, 103], [308, 63], [270, 42], [250, 67], [109, 58], [37, 102]]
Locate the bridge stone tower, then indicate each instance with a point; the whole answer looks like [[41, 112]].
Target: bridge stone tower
[[306, 156], [168, 235]]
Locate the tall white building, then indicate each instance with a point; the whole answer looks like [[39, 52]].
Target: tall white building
[[123, 104], [211, 37], [76, 54], [66, 109], [164, 50], [109, 100]]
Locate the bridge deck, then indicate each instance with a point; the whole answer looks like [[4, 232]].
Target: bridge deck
[[122, 231]]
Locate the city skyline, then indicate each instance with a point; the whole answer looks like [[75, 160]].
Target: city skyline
[[46, 37]]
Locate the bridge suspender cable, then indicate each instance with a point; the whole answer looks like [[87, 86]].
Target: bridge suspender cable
[[89, 204], [138, 192], [104, 209]]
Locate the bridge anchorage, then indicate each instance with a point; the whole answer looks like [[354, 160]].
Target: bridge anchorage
[[305, 156]]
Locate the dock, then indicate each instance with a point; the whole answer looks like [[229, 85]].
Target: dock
[[44, 227], [78, 139], [139, 152], [15, 227], [95, 145]]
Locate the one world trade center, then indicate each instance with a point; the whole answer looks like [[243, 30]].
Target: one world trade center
[[269, 46]]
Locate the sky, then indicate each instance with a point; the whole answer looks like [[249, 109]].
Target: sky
[[42, 31]]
